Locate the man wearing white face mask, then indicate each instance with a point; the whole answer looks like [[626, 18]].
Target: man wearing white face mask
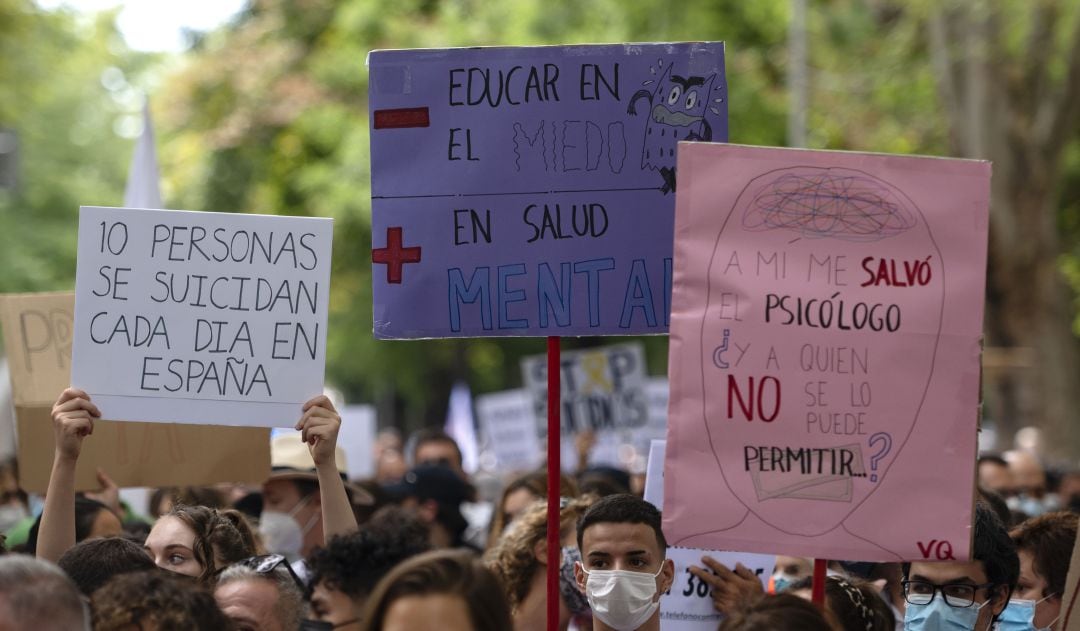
[[623, 571], [291, 520]]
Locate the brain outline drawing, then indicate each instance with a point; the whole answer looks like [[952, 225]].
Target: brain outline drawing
[[820, 202]]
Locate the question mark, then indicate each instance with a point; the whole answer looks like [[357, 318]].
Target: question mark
[[718, 353], [886, 445]]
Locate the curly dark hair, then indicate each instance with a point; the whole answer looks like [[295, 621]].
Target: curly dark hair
[[222, 536], [169, 601], [354, 563]]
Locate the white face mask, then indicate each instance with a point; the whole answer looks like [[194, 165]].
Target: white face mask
[[282, 534], [621, 599], [10, 515]]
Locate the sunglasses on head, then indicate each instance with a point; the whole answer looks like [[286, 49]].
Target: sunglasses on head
[[267, 563]]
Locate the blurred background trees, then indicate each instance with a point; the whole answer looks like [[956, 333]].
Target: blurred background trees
[[268, 114]]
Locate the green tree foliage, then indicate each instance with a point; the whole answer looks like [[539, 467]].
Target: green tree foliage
[[270, 116], [64, 95]]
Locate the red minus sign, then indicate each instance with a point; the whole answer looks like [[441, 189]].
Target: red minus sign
[[402, 118]]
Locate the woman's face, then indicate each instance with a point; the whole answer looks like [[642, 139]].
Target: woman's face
[[432, 611], [516, 502], [171, 545], [1031, 586]]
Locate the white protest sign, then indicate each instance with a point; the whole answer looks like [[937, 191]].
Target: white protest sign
[[197, 317], [602, 388], [357, 438], [654, 474], [688, 605], [656, 396], [506, 419]]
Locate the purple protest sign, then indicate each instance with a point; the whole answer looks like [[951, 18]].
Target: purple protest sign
[[530, 191]]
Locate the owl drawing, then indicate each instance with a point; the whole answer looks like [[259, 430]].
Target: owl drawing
[[677, 112]]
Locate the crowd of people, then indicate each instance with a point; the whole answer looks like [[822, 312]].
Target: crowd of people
[[409, 550]]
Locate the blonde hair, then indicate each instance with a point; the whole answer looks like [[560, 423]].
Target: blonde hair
[[513, 557]]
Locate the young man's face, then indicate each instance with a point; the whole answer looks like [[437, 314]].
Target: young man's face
[[631, 547], [440, 453], [1032, 586], [335, 606], [963, 573]]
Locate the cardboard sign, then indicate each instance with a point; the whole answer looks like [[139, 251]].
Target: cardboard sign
[[688, 606], [509, 427], [37, 331], [201, 317], [824, 358], [37, 339], [530, 191]]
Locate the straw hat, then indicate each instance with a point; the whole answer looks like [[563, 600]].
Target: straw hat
[[290, 459]]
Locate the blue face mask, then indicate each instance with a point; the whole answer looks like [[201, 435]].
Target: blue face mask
[[1019, 615], [939, 616], [782, 581]]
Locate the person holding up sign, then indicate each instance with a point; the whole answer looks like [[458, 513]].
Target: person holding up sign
[[192, 547]]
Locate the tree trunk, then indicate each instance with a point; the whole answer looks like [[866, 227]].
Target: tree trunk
[[1020, 124]]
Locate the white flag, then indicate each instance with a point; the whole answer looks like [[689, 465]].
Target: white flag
[[460, 425], [143, 189]]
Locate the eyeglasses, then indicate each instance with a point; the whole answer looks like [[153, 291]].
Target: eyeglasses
[[267, 563], [955, 594]]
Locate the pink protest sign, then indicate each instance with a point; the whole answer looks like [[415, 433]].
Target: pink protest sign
[[825, 345]]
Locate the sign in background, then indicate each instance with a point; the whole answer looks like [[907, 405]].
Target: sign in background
[[357, 438], [824, 357], [201, 317], [37, 330], [604, 390], [508, 427], [513, 434], [530, 191], [688, 606]]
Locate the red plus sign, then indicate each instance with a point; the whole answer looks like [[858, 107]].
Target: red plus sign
[[394, 256]]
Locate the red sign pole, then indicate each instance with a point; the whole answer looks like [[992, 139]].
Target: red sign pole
[[817, 593], [554, 468]]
